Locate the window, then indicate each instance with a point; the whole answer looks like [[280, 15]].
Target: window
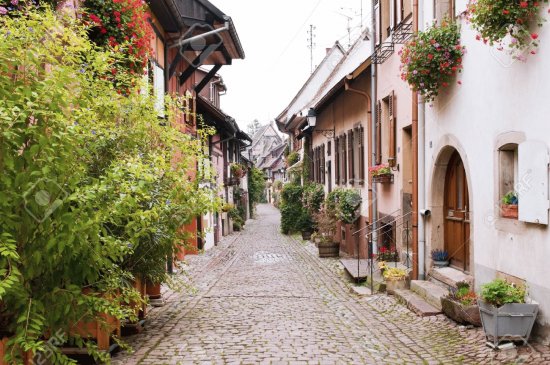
[[323, 164], [386, 141], [443, 9], [523, 170], [508, 171], [158, 86]]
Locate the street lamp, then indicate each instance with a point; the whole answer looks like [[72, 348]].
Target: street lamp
[[311, 118]]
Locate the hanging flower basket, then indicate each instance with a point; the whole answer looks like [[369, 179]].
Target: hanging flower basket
[[381, 174], [432, 59], [507, 24]]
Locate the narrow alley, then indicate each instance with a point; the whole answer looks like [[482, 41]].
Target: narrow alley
[[262, 297]]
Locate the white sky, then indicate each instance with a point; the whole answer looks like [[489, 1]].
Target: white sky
[[274, 37]]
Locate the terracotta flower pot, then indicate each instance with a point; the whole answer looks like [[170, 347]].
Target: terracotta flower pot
[[141, 309], [153, 290], [509, 211]]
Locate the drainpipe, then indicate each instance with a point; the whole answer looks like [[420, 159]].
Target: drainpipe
[[421, 172], [374, 84], [415, 147]]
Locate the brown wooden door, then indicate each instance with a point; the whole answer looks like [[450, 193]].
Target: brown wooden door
[[457, 216]]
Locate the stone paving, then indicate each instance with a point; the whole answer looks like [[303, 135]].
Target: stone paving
[[262, 297]]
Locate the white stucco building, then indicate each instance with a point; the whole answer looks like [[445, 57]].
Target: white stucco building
[[483, 139]]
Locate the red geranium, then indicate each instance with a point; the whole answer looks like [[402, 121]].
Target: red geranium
[[122, 24]]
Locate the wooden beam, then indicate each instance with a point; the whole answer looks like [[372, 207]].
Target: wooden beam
[[174, 65], [207, 78]]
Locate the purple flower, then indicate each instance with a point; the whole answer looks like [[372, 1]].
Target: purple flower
[[14, 2], [3, 10], [94, 133], [415, 72]]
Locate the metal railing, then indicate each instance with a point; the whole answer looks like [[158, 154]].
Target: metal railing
[[385, 230]]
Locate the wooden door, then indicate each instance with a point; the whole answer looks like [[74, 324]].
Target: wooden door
[[457, 216]]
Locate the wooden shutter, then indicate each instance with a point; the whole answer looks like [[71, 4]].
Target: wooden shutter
[[351, 159], [398, 11], [337, 161], [329, 145], [378, 152], [378, 20], [344, 164], [532, 188], [323, 164], [392, 153], [361, 153]]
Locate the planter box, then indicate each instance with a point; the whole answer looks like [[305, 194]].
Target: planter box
[[383, 179], [509, 211], [393, 285], [460, 313], [306, 236], [511, 321], [141, 309], [329, 250], [100, 330]]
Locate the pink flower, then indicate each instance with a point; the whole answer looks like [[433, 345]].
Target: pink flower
[[3, 10], [523, 4]]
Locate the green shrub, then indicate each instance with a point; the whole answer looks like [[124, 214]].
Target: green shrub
[[292, 158], [344, 204], [499, 292], [292, 211]]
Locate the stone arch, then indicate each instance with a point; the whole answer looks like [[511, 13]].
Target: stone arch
[[444, 150]]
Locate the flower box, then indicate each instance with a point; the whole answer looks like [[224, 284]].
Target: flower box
[[510, 321], [383, 178], [460, 313], [100, 330], [509, 211]]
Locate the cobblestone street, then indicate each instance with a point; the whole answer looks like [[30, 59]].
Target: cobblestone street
[[261, 297]]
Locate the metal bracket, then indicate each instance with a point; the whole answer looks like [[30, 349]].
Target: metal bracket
[[328, 133]]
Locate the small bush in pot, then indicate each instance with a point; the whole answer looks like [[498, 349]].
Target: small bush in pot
[[509, 206], [505, 313]]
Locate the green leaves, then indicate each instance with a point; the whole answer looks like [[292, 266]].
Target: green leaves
[[91, 195]]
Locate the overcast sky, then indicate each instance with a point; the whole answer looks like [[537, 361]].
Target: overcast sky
[[274, 37]]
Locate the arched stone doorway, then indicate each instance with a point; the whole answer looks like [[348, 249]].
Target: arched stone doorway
[[451, 206]]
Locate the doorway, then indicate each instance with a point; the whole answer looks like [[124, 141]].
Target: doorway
[[456, 212]]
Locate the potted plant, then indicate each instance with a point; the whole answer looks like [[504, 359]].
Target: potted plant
[[509, 206], [381, 174], [396, 279], [225, 209], [505, 313], [507, 23], [237, 170], [387, 255], [292, 158], [307, 225], [461, 305], [440, 258], [326, 223], [432, 59]]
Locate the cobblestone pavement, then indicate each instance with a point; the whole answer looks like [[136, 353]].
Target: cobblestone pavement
[[261, 297]]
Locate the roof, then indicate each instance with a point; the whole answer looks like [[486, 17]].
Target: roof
[[178, 16], [311, 86], [356, 57]]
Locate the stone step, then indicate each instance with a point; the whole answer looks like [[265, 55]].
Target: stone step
[[416, 303], [432, 293], [449, 277]]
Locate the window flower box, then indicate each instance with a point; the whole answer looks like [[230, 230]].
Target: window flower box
[[383, 179], [509, 211]]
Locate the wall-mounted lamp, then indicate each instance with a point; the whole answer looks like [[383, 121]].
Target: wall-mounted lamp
[[311, 117]]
